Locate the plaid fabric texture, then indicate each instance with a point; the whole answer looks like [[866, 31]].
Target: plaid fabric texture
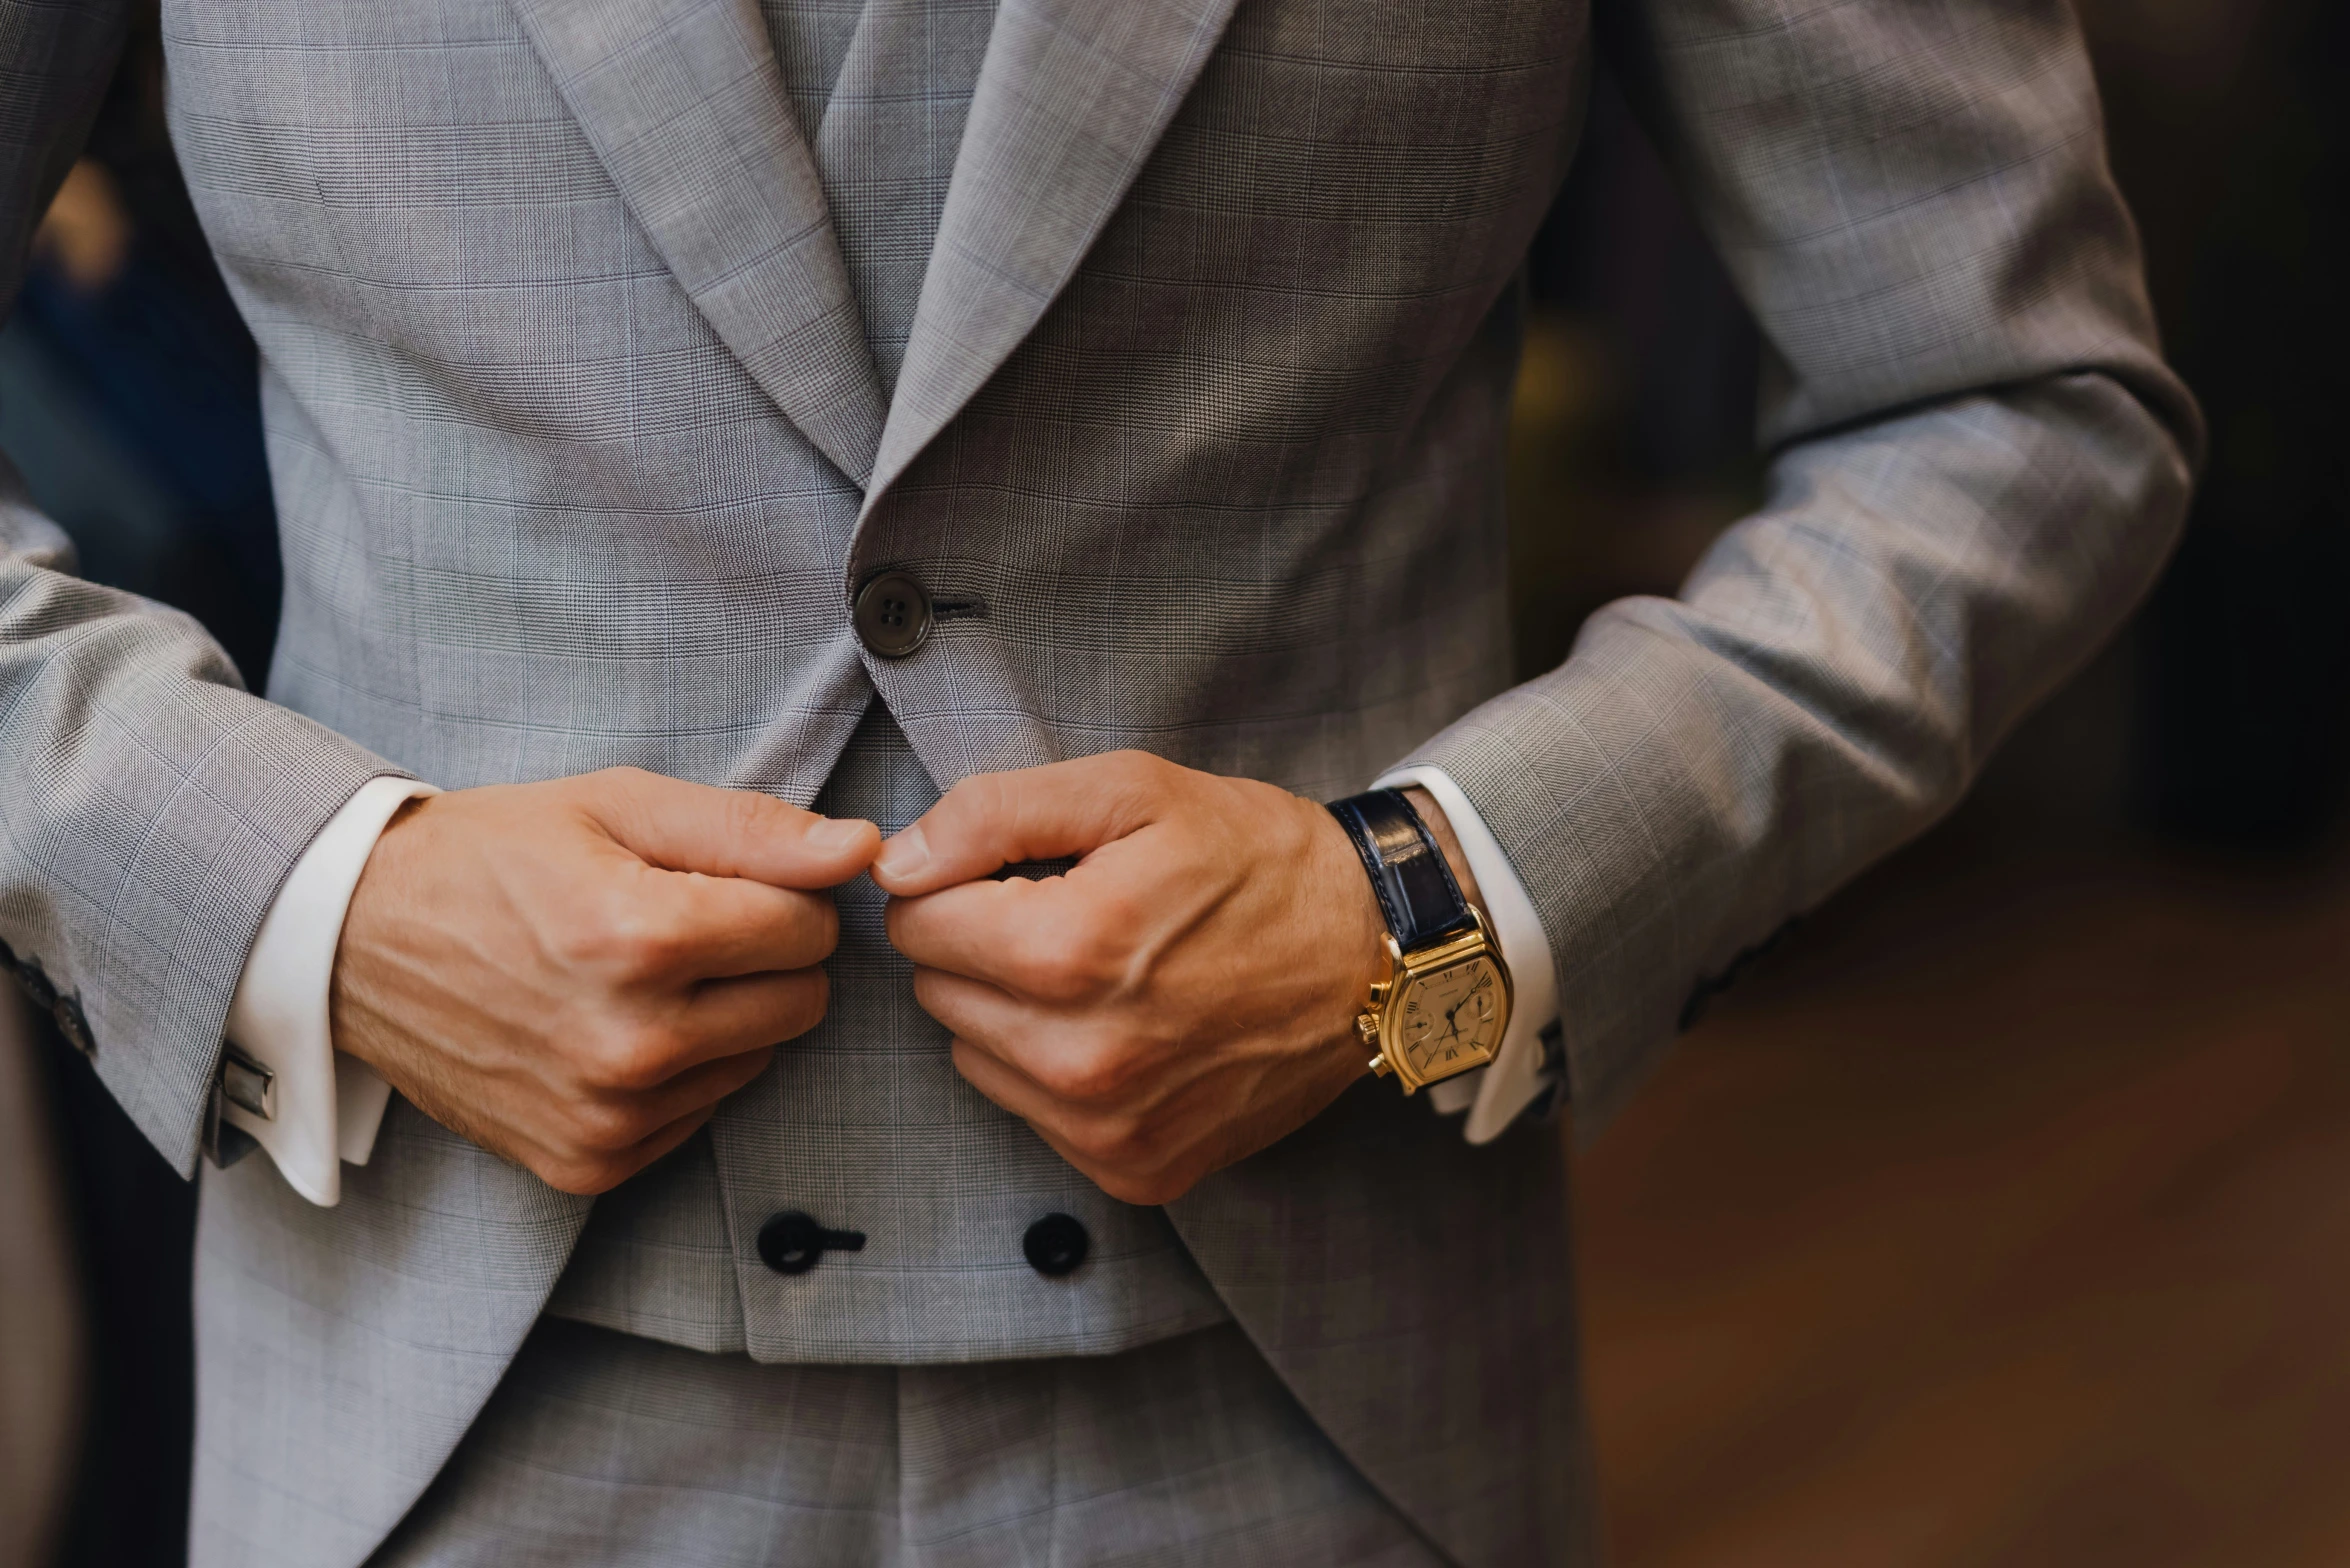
[[599, 1451], [865, 1123], [582, 437]]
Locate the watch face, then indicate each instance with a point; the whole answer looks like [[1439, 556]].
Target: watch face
[[1452, 1019]]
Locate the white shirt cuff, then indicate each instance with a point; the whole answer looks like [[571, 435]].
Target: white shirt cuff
[[327, 1107], [1494, 1095]]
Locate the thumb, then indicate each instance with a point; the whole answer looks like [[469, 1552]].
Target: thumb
[[992, 820], [679, 826]]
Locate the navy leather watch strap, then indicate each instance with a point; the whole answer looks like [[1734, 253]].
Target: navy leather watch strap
[[1416, 889]]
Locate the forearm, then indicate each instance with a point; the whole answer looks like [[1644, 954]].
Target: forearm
[[1981, 464], [1828, 682], [149, 809]]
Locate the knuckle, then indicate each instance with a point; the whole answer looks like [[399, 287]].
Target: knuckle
[[619, 779], [976, 795], [634, 1058], [615, 792], [623, 937], [1144, 1192], [1103, 947], [1132, 1173], [648, 942], [1131, 766], [602, 1127], [1163, 1189], [1069, 962], [582, 942], [1136, 774], [749, 816], [1094, 1076], [1053, 976], [581, 1176]]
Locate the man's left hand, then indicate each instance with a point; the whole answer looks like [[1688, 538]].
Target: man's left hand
[[1182, 998]]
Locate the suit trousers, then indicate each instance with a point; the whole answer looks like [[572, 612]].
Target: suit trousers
[[604, 1450]]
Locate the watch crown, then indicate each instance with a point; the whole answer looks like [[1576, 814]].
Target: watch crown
[[1367, 1025], [1379, 1067]]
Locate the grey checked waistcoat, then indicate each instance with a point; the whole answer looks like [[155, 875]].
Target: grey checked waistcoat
[[864, 1123]]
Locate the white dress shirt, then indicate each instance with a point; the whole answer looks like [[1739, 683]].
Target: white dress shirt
[[328, 1106]]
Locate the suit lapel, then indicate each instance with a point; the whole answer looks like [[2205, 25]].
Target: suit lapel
[[1072, 98], [684, 104]]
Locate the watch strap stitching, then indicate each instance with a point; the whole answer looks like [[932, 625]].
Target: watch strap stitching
[[1376, 821], [1366, 843]]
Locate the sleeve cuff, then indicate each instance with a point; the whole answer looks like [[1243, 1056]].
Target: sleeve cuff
[[1494, 1096], [327, 1108]]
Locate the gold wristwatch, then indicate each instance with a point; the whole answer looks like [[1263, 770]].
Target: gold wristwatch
[[1446, 1000]]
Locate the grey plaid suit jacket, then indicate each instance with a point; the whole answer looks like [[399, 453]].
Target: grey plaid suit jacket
[[580, 447]]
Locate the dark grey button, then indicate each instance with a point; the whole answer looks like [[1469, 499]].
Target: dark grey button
[[893, 614], [1056, 1245], [793, 1242]]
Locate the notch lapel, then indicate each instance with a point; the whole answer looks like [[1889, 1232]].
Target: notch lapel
[[1071, 99], [683, 102]]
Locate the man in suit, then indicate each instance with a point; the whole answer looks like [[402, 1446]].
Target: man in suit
[[702, 433]]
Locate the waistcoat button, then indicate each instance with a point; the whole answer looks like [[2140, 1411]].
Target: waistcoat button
[[793, 1243], [893, 614], [1056, 1245]]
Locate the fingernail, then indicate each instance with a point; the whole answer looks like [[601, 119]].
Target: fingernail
[[904, 855], [837, 833]]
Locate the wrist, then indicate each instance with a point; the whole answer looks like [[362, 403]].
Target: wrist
[[349, 1019], [1446, 1007]]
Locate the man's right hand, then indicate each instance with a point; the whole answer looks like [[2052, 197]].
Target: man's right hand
[[573, 974]]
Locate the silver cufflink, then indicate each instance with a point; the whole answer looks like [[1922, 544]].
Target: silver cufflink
[[247, 1085]]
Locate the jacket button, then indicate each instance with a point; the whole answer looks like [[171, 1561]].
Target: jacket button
[[793, 1243], [1056, 1245], [892, 614]]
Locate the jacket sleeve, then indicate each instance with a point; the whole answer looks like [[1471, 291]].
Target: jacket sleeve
[[1979, 465], [149, 806]]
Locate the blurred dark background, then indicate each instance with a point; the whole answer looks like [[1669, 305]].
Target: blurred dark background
[[1998, 1218]]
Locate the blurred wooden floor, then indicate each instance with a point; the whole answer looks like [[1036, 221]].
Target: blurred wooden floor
[[2004, 1220]]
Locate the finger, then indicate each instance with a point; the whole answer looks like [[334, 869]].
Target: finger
[[751, 1011], [975, 1011], [589, 1174], [715, 1021], [1098, 1146], [991, 820], [728, 832], [602, 1136], [688, 926], [701, 1088], [1016, 934], [1011, 1089], [668, 1138], [1066, 1062]]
